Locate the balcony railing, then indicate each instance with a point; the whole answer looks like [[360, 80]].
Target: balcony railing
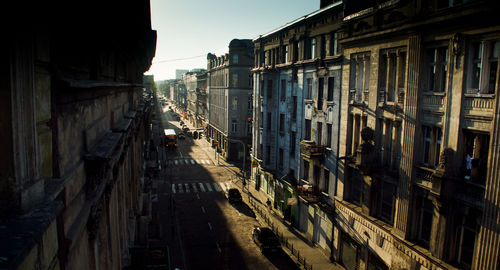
[[309, 192], [310, 149]]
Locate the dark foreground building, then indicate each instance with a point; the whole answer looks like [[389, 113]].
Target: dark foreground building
[[74, 124]]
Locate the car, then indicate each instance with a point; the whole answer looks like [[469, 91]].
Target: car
[[233, 195], [266, 239], [177, 118], [181, 123], [181, 136]]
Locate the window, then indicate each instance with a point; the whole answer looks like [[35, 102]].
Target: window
[[267, 58], [280, 162], [437, 69], [282, 122], [319, 132], [235, 103], [283, 90], [483, 66], [386, 202], [392, 75], [475, 158], [234, 125], [467, 239], [269, 120], [321, 83], [331, 83], [261, 89], [328, 135], [235, 58], [270, 88], [312, 52], [307, 135], [268, 154], [285, 54], [323, 47], [292, 143], [305, 173], [308, 88], [359, 77], [334, 44], [296, 48], [326, 180], [424, 222], [294, 107], [431, 144], [235, 80]]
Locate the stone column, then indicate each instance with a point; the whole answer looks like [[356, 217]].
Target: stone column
[[409, 125]]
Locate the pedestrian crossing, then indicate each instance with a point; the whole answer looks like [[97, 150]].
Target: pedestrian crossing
[[187, 161], [201, 187]]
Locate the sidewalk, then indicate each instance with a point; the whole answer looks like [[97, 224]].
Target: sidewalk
[[293, 241]]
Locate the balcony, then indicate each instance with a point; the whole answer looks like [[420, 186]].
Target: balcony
[[429, 178], [311, 150], [309, 192], [469, 192]]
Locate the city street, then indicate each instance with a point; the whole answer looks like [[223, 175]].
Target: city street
[[201, 228]]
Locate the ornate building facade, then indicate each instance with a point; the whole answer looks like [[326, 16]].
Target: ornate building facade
[[229, 93], [75, 124], [418, 188]]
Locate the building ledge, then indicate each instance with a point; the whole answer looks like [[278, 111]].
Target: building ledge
[[20, 235]]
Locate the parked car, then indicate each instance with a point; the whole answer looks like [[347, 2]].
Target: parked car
[[233, 195], [265, 239], [181, 136], [177, 118], [181, 123]]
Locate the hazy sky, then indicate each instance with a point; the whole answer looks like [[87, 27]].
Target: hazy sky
[[188, 30]]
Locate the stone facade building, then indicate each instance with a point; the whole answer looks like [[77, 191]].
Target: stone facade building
[[201, 113], [297, 79], [414, 182], [418, 188], [75, 124], [229, 94]]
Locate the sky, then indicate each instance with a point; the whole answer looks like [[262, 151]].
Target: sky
[[188, 30]]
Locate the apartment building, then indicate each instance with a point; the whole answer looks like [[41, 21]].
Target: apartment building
[[190, 80], [418, 177], [201, 114], [229, 97], [297, 78]]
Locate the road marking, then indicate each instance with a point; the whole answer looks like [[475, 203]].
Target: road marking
[[187, 187], [195, 188], [179, 187], [203, 210], [210, 226], [202, 187], [217, 187], [209, 187], [202, 161], [176, 162], [198, 195], [208, 162], [192, 161], [218, 247], [187, 161], [173, 188]]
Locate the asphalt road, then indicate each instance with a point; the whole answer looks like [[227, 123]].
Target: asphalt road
[[195, 223]]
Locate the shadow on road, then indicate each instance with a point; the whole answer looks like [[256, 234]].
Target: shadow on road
[[244, 209], [281, 260]]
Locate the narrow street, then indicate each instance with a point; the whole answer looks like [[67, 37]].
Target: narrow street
[[193, 216]]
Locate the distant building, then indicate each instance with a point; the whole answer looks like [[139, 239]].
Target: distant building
[[179, 73], [230, 94]]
